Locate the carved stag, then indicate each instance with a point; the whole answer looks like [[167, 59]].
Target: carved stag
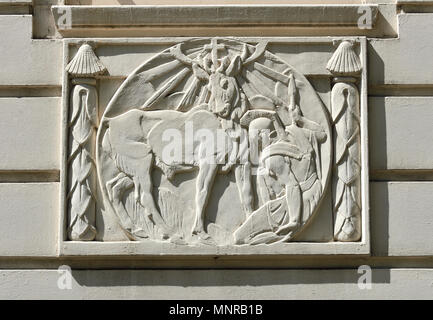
[[133, 141]]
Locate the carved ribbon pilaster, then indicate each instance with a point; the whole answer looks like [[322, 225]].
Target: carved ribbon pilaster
[[345, 65], [82, 123]]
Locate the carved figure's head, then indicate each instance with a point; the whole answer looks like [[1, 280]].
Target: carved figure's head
[[275, 159]]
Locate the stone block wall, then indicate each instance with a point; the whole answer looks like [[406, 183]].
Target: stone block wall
[[400, 129]]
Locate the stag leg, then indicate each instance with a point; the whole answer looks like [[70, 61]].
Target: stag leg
[[205, 179], [243, 182], [116, 188], [109, 185], [143, 183]]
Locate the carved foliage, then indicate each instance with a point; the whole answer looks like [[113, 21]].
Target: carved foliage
[[82, 177], [83, 122], [347, 157], [347, 187]]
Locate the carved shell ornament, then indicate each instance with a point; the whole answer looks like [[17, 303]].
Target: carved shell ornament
[[85, 63], [265, 126], [344, 60]]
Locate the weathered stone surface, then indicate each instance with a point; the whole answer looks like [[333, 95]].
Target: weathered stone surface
[[225, 86], [224, 15], [29, 219], [400, 133], [406, 60], [15, 2], [310, 58], [24, 60], [216, 284], [415, 2], [43, 21], [15, 6], [30, 133], [228, 19], [32, 207], [34, 210], [401, 218]]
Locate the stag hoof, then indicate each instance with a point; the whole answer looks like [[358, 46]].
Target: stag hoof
[[128, 226], [206, 239], [177, 239], [165, 235], [290, 227], [201, 234], [237, 240], [140, 233], [164, 231]]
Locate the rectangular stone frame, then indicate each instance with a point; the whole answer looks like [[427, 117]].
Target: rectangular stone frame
[[132, 248]]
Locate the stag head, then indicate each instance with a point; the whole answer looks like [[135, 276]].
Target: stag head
[[221, 75], [224, 94]]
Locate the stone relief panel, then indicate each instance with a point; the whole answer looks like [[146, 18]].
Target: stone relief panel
[[82, 123], [217, 142], [344, 64]]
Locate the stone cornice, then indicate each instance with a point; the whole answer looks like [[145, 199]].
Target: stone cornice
[[210, 15], [11, 7]]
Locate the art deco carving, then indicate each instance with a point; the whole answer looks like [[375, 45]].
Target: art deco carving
[[85, 63], [347, 155], [345, 60], [197, 117], [83, 122]]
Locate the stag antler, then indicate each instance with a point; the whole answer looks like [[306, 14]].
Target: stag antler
[[241, 60], [198, 69], [176, 52], [259, 50]]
